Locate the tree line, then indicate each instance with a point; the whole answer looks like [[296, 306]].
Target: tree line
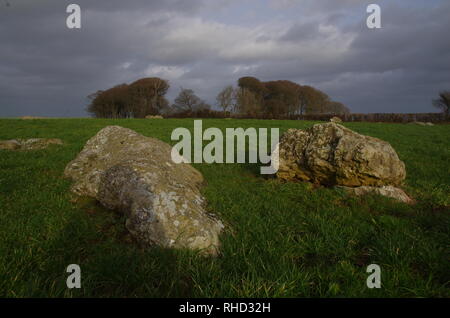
[[276, 99], [251, 98]]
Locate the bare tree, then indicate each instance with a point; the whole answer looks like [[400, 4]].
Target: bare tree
[[225, 99], [187, 100], [443, 102]]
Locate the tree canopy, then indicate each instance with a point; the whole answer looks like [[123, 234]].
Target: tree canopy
[[251, 97], [137, 100], [283, 98]]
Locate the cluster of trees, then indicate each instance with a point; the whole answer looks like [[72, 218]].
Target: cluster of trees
[[137, 100], [276, 99], [251, 98], [143, 98]]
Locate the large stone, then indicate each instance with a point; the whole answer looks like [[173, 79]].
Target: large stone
[[29, 144], [135, 175], [331, 154], [387, 191], [336, 120]]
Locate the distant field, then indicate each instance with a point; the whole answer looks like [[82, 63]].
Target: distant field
[[281, 239]]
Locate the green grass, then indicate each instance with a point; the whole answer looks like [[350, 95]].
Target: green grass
[[281, 240]]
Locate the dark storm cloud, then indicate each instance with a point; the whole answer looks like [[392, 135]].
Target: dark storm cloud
[[47, 69]]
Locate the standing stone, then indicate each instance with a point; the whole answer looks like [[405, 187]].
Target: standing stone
[[331, 154], [336, 120], [135, 175]]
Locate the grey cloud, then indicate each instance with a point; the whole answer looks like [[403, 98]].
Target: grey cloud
[[301, 32], [46, 69]]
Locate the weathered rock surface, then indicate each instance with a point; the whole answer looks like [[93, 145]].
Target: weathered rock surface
[[9, 145], [29, 144], [134, 174], [331, 154], [336, 120], [387, 191]]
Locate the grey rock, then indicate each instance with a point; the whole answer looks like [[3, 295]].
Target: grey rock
[[331, 154], [336, 120], [9, 144], [387, 191], [135, 175]]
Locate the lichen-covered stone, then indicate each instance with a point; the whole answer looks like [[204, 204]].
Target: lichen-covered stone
[[29, 144], [331, 154], [387, 191], [134, 174], [336, 120]]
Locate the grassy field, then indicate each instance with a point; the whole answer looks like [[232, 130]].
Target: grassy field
[[281, 240]]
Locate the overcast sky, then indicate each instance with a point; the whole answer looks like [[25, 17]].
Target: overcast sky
[[47, 69]]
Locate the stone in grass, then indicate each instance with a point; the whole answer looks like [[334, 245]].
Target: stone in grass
[[419, 123], [331, 154], [9, 145], [387, 191], [135, 175], [29, 144], [336, 120]]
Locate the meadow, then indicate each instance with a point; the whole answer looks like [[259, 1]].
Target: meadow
[[281, 239]]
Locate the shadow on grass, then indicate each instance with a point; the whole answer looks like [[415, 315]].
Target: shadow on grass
[[112, 263]]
